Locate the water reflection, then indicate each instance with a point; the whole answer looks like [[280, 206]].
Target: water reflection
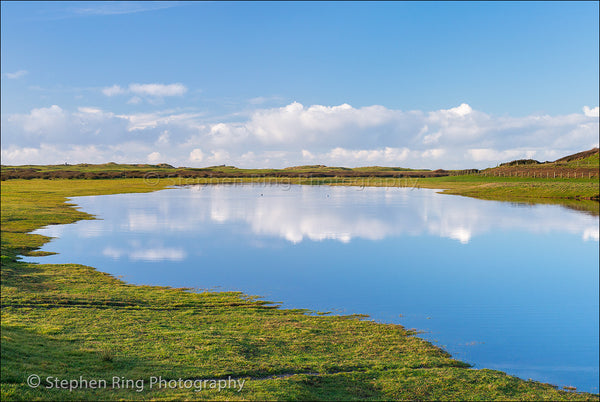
[[341, 214], [136, 252], [499, 285]]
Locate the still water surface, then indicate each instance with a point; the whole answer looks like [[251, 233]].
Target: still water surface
[[500, 285]]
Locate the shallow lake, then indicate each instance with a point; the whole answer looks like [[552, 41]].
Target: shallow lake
[[504, 286]]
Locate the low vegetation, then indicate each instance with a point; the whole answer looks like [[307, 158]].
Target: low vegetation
[[71, 321], [580, 194]]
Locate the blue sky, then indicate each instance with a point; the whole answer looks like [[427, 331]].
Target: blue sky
[[273, 84]]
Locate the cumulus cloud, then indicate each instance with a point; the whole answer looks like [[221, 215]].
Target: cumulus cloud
[[154, 157], [317, 124], [16, 74], [196, 155], [454, 138], [52, 154], [20, 155], [460, 111], [40, 120], [595, 112]]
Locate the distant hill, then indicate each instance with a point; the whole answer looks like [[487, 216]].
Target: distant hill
[[580, 155], [582, 165], [112, 170], [579, 165], [521, 162], [590, 155]]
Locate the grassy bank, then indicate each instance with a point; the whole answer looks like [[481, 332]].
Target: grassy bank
[[580, 194], [68, 320]]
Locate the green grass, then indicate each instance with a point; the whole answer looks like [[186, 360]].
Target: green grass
[[580, 194], [592, 160], [69, 320]]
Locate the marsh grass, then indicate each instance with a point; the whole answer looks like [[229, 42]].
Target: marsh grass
[[69, 320], [106, 353]]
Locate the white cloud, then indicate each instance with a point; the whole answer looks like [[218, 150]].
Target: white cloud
[[460, 111], [370, 156], [144, 121], [592, 233], [344, 216], [219, 157], [432, 138], [295, 123], [112, 252], [158, 89], [461, 234], [163, 139], [196, 155], [152, 93], [52, 154], [261, 100], [114, 90], [90, 110], [488, 154], [154, 157], [155, 254], [342, 135], [42, 120], [158, 254], [433, 153], [595, 112], [16, 74], [307, 154], [20, 156]]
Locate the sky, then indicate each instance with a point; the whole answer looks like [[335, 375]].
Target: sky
[[274, 84]]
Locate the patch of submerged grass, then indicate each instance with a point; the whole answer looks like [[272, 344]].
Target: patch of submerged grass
[[69, 320]]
